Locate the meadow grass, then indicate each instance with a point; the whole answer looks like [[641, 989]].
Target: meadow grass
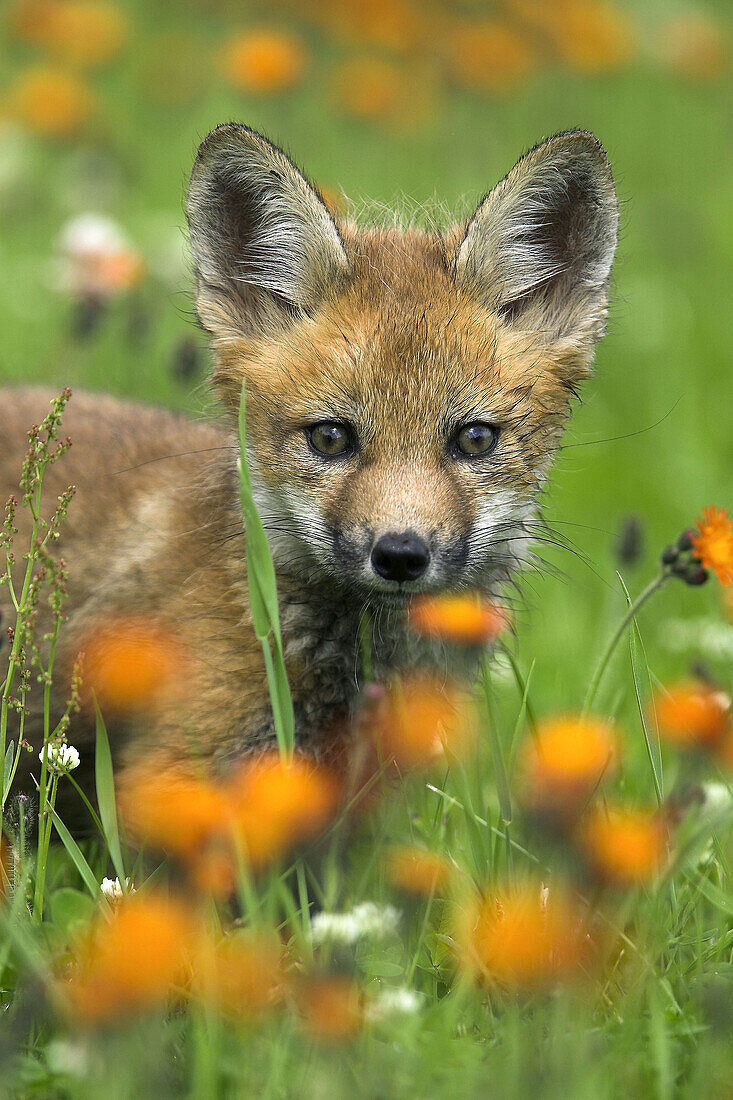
[[653, 438]]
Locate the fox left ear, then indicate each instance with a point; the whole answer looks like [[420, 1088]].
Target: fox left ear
[[540, 246], [265, 247]]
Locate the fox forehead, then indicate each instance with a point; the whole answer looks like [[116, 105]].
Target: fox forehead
[[401, 348]]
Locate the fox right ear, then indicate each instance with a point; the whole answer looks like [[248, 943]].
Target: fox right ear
[[264, 244]]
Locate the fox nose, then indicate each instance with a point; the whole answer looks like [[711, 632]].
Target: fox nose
[[400, 558]]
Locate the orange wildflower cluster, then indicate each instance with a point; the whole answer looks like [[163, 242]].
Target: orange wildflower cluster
[[591, 35], [525, 937], [151, 949], [695, 46], [268, 807], [624, 847], [370, 88], [132, 665], [263, 61], [331, 1008], [564, 763], [77, 32], [467, 619], [422, 721], [241, 975], [417, 871], [692, 715], [50, 101], [132, 960], [489, 56], [713, 543]]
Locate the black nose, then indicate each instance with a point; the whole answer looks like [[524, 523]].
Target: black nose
[[400, 558]]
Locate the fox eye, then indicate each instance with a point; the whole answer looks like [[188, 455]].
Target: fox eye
[[474, 440], [330, 438]]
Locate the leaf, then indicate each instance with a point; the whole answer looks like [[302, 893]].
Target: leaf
[[76, 854], [8, 772], [71, 910], [105, 786]]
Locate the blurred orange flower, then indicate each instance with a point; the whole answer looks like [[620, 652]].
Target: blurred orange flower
[[525, 936], [417, 871], [489, 56], [50, 101], [467, 619], [132, 664], [566, 760], [591, 35], [334, 200], [277, 804], [422, 720], [131, 960], [624, 847], [692, 714], [78, 32], [394, 24], [370, 88], [240, 974], [713, 544], [174, 812], [695, 46], [331, 1008], [263, 61]]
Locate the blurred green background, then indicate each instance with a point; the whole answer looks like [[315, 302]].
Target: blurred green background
[[422, 107]]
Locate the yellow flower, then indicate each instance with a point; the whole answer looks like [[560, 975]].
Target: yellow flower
[[331, 1008], [416, 871], [422, 721], [466, 619], [692, 714], [50, 101], [566, 760], [624, 847], [524, 937], [263, 61], [713, 544], [131, 960], [489, 56]]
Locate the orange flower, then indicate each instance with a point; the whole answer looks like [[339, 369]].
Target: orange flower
[[421, 720], [466, 619], [132, 665], [263, 61], [277, 804], [489, 56], [331, 1008], [79, 32], [566, 760], [132, 960], [370, 88], [416, 871], [525, 937], [174, 812], [393, 24], [624, 847], [590, 35], [693, 45], [240, 975], [714, 543], [50, 101], [692, 714]]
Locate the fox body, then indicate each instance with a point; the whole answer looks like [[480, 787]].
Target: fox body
[[406, 392]]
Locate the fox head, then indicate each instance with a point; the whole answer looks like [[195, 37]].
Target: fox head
[[406, 390]]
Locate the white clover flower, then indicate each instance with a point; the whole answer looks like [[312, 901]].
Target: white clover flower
[[394, 1002], [365, 920], [112, 888], [61, 757]]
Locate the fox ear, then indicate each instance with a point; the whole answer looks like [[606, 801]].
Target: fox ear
[[264, 244], [540, 246]]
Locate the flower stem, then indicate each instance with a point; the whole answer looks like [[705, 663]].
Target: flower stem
[[653, 586]]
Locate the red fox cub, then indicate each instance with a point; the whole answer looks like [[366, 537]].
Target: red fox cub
[[406, 392]]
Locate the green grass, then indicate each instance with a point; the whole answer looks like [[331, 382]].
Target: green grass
[[653, 438]]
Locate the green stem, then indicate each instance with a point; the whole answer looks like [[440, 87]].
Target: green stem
[[653, 586]]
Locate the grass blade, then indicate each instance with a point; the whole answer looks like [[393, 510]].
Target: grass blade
[[105, 786], [76, 855]]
